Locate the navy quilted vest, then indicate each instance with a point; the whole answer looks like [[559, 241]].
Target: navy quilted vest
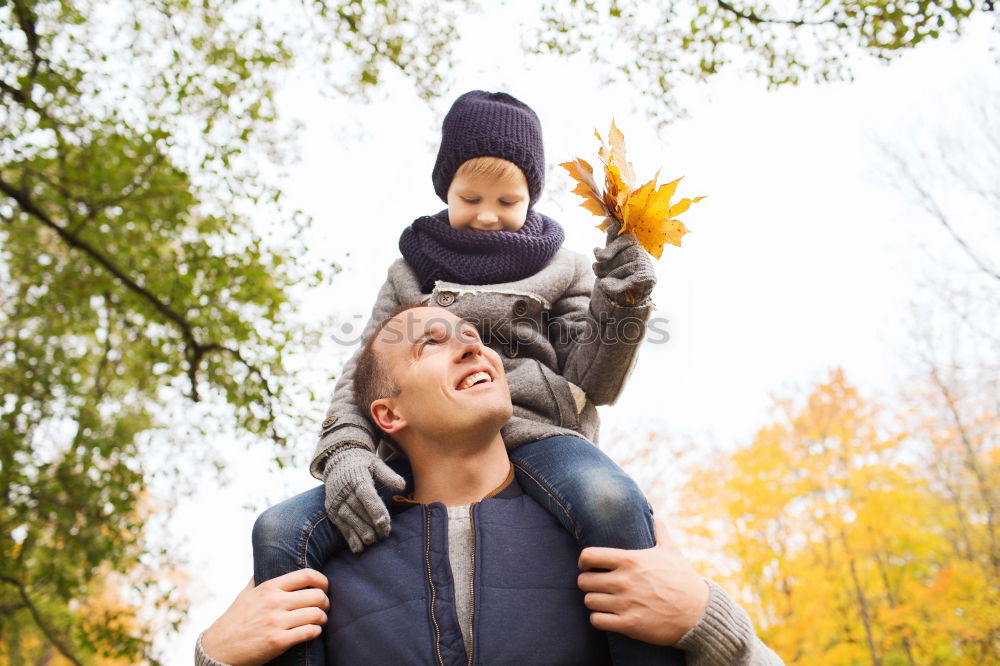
[[395, 603]]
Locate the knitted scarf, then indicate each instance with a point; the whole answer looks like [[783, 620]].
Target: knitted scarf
[[436, 251]]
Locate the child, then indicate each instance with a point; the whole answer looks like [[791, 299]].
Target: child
[[567, 343]]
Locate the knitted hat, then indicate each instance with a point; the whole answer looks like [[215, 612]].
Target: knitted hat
[[484, 124]]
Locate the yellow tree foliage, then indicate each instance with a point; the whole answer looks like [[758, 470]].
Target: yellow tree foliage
[[831, 531], [109, 619]]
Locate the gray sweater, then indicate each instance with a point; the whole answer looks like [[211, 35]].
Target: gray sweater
[[565, 345]]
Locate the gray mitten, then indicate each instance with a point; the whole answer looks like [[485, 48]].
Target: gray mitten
[[624, 270], [352, 503]]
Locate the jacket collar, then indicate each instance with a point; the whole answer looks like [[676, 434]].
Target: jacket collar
[[505, 490]]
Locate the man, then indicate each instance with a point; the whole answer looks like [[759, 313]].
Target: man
[[493, 582]]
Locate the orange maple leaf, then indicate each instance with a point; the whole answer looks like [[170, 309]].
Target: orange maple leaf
[[645, 211]]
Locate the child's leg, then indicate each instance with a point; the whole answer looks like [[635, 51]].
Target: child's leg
[[292, 535], [296, 534], [594, 499], [599, 505]]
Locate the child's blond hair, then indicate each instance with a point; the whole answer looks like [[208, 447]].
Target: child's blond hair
[[490, 167]]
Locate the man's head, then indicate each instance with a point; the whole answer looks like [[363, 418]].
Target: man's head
[[484, 124], [427, 377]]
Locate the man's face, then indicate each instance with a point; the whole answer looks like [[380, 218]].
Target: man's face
[[450, 384], [485, 203]]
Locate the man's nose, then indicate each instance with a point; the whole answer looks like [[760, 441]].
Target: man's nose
[[469, 345]]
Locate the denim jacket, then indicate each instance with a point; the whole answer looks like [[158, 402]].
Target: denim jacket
[[565, 345]]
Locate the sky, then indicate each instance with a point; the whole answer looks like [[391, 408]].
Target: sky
[[803, 257]]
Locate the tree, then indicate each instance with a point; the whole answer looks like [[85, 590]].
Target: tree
[[953, 388], [841, 544], [131, 280], [944, 171], [659, 44]]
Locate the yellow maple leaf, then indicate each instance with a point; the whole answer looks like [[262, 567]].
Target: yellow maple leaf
[[586, 186], [646, 211]]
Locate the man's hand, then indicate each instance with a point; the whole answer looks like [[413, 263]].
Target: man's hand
[[652, 595], [624, 270], [352, 503], [267, 620]]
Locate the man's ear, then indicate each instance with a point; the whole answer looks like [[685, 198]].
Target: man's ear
[[386, 417]]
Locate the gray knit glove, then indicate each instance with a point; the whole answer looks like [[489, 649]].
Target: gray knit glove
[[624, 270], [352, 503]]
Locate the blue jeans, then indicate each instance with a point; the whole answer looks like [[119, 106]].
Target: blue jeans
[[600, 505], [584, 489]]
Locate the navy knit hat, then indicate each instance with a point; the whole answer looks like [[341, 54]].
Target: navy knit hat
[[484, 124]]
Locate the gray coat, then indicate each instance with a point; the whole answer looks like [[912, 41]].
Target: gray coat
[[565, 348]]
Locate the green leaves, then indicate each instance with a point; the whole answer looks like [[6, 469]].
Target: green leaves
[[133, 284], [782, 43]]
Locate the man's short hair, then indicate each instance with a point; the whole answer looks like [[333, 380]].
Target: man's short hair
[[372, 379]]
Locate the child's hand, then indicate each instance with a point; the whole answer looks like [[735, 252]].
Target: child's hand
[[624, 270], [352, 503]]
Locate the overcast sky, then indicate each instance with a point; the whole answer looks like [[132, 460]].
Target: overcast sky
[[800, 260]]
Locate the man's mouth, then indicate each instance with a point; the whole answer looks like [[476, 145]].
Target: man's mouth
[[479, 377]]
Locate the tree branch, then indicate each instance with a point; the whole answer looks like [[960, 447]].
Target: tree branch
[[862, 601], [194, 351], [930, 205], [972, 463], [26, 21], [37, 617], [756, 19], [193, 348], [24, 201]]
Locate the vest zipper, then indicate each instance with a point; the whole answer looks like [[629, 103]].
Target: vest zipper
[[472, 585], [430, 581]]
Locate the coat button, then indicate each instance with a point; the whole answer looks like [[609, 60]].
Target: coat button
[[445, 298], [520, 308], [329, 421]]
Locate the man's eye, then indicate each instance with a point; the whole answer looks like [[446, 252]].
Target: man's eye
[[507, 203], [470, 201]]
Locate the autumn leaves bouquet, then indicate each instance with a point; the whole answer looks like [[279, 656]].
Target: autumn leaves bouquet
[[646, 211]]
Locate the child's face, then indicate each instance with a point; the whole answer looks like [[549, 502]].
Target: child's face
[[486, 203]]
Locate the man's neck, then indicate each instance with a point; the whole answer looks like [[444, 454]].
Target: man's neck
[[455, 476]]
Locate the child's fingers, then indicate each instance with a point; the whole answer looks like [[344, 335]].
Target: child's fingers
[[388, 477], [352, 526], [367, 504], [353, 515]]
